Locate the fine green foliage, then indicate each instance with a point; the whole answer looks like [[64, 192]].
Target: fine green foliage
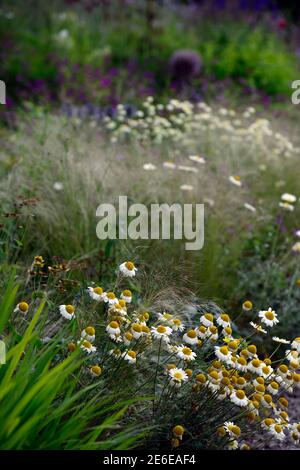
[[43, 406]]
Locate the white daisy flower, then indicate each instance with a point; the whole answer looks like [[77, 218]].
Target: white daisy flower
[[190, 169], [128, 269], [235, 180], [67, 311], [277, 431], [110, 298], [197, 159], [165, 317], [223, 353], [190, 337], [130, 357], [136, 330], [149, 167], [113, 329], [207, 319], [96, 293], [268, 317], [87, 346], [202, 331], [177, 325], [266, 371], [161, 332], [280, 340], [223, 320], [273, 388], [291, 355], [290, 198], [286, 206], [258, 327], [296, 247], [178, 376], [95, 371], [232, 445], [58, 186], [232, 429], [185, 353], [238, 397], [89, 334], [296, 344], [169, 165], [22, 307], [127, 296], [255, 366], [249, 207], [187, 187]]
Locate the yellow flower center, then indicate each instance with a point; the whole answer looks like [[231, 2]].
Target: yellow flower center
[[145, 329], [128, 336], [268, 399], [241, 381], [278, 428], [270, 315], [178, 375], [283, 368], [167, 316], [129, 265], [248, 304], [96, 370], [192, 334], [127, 293], [240, 394], [284, 402], [225, 317], [187, 351], [178, 430], [86, 344], [201, 378], [269, 421], [242, 361], [177, 322], [114, 325], [256, 363], [202, 329], [98, 290], [224, 350], [110, 295], [209, 316], [252, 349], [216, 364], [23, 306], [70, 309], [122, 303], [214, 374], [161, 329], [90, 330], [132, 354], [225, 381], [233, 345], [137, 327], [274, 385], [213, 329]]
